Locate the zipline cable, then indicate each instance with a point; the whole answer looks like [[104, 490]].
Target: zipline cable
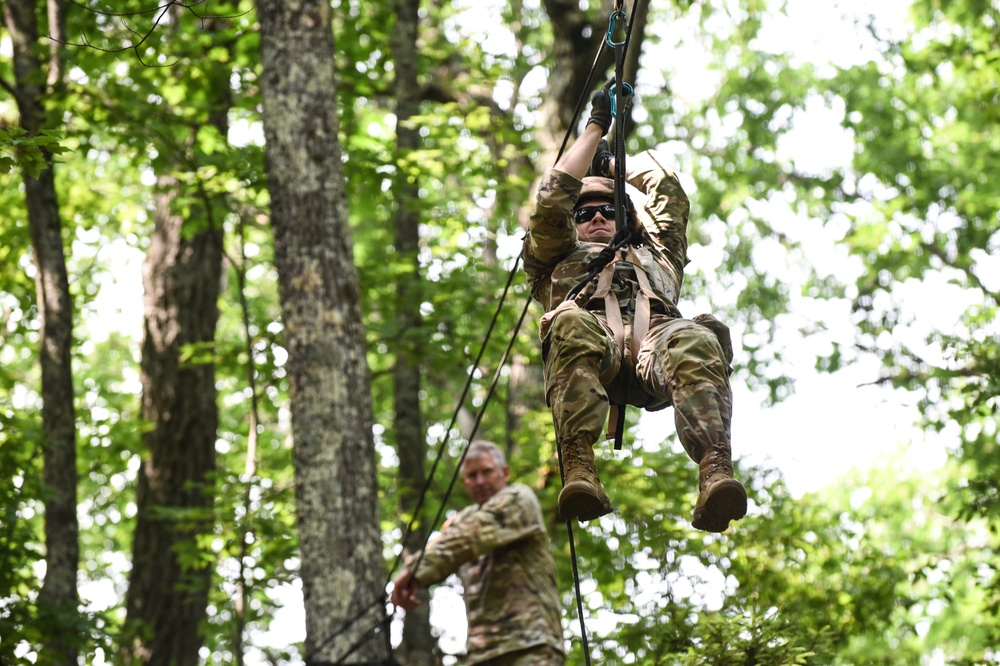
[[430, 476], [465, 450]]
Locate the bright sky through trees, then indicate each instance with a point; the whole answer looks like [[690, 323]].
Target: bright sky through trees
[[834, 422]]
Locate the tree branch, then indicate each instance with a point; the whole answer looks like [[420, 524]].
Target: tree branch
[[160, 11]]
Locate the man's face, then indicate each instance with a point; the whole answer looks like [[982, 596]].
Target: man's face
[[595, 218], [482, 478]]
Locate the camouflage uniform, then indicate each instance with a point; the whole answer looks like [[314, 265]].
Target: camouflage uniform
[[677, 361], [501, 552]]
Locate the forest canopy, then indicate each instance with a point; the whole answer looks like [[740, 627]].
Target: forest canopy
[[259, 288]]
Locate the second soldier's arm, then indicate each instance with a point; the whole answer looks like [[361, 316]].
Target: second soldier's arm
[[503, 520]]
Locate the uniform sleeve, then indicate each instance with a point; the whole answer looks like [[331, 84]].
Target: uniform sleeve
[[509, 516], [552, 232], [665, 213]]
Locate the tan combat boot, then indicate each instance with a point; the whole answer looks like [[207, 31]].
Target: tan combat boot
[[582, 496], [721, 498]]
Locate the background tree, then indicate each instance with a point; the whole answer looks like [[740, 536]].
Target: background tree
[[169, 581], [830, 577], [416, 648], [925, 120], [38, 76], [329, 385]]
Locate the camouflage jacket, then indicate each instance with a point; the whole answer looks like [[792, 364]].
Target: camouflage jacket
[[501, 552], [555, 259]]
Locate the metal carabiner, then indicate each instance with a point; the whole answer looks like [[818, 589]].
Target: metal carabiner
[[611, 29], [614, 98]]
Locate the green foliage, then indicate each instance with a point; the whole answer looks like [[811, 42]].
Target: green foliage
[[850, 575], [880, 570], [30, 153], [21, 525]]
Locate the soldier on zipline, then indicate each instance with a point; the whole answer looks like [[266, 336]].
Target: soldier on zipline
[[619, 338]]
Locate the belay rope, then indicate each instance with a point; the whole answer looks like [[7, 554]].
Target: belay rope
[[621, 102]]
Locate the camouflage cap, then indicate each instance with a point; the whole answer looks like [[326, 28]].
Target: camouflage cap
[[595, 187]]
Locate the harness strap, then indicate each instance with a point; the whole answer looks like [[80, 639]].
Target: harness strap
[[612, 309], [640, 326], [613, 312], [643, 309]]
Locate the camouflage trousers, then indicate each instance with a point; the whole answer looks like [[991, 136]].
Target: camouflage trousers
[[541, 655], [679, 362]]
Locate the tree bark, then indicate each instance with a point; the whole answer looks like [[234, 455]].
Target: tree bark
[[58, 600], [417, 644], [168, 586], [329, 383], [167, 597]]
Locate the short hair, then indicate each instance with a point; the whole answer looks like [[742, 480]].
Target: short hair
[[484, 447]]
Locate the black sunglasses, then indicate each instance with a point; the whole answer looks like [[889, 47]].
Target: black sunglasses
[[587, 214]]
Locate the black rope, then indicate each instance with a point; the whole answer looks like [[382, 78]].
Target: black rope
[[454, 419], [496, 377], [383, 628], [410, 526], [597, 264], [622, 102], [479, 418], [580, 102], [576, 571]]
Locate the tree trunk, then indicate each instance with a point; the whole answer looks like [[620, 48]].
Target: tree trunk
[[343, 573], [417, 644], [58, 599], [168, 585]]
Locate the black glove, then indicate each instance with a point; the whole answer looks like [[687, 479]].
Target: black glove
[[600, 107], [601, 166]]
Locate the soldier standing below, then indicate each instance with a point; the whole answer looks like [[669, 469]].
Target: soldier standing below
[[622, 340], [501, 551]]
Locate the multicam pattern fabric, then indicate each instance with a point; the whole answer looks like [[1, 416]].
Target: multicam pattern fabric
[[536, 656], [501, 552], [555, 258], [680, 361]]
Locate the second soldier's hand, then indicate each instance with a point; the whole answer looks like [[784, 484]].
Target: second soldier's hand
[[404, 591]]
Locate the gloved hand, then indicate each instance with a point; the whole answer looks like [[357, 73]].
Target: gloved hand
[[601, 166], [600, 107]]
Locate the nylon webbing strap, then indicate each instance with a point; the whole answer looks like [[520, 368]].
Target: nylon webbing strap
[[643, 306], [612, 309]]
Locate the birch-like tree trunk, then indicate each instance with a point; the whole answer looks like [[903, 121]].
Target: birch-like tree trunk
[[58, 600], [343, 573]]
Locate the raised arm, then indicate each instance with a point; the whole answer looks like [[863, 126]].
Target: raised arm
[[577, 158]]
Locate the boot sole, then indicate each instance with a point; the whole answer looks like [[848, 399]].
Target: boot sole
[[582, 505], [727, 500]]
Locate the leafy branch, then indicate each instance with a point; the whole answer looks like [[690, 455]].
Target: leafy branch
[[160, 12], [17, 148]]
